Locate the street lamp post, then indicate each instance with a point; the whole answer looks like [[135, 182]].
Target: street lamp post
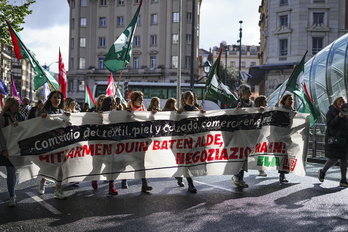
[[226, 47], [47, 67], [240, 52], [206, 69]]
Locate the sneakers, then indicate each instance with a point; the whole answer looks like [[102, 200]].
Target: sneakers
[[262, 173], [343, 183], [41, 188], [239, 183], [321, 175], [59, 195], [12, 202]]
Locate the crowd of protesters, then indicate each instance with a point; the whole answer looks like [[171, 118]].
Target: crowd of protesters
[[14, 112]]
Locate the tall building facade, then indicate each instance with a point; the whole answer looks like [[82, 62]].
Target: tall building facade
[[96, 24], [288, 29]]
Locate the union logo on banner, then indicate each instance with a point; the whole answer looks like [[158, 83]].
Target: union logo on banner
[[290, 163]]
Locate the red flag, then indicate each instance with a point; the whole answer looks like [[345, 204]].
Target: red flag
[[17, 47], [62, 75], [110, 90], [306, 92], [89, 97]]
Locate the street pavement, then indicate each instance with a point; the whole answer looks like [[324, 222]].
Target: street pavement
[[303, 204]]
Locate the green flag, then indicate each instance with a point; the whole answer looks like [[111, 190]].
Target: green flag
[[121, 51], [22, 52], [216, 89], [296, 86]]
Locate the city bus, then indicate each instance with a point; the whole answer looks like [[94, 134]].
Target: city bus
[[157, 89]]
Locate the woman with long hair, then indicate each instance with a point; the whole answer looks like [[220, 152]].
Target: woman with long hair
[[70, 105], [53, 105], [9, 116], [136, 104], [337, 126], [170, 105], [188, 104], [109, 104]]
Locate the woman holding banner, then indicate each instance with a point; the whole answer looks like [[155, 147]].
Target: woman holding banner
[[336, 141], [53, 105], [108, 104], [136, 104], [187, 102], [244, 101], [9, 116]]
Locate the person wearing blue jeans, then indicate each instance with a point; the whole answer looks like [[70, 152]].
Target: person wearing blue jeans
[[9, 116]]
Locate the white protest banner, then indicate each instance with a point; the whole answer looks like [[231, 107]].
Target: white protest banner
[[126, 145]]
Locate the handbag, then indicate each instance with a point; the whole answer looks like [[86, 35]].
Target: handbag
[[336, 142]]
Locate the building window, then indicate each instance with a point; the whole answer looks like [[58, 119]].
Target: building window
[[82, 42], [153, 40], [176, 17], [252, 64], [175, 39], [139, 20], [83, 22], [120, 2], [243, 64], [188, 38], [103, 3], [82, 85], [72, 3], [71, 86], [72, 42], [83, 2], [71, 65], [102, 22], [318, 18], [284, 2], [72, 24], [283, 20], [82, 63], [101, 63], [187, 61], [137, 41], [317, 45], [154, 19], [283, 47], [120, 21], [174, 61], [136, 1], [152, 62], [232, 63], [189, 17], [136, 62], [154, 0], [102, 42]]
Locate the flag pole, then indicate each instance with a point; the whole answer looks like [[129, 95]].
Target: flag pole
[[29, 53]]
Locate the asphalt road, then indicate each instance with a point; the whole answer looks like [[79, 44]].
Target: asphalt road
[[304, 204]]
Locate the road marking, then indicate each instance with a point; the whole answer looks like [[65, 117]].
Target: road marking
[[215, 186], [43, 203], [3, 174]]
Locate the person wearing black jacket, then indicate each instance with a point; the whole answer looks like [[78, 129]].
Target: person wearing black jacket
[[337, 127]]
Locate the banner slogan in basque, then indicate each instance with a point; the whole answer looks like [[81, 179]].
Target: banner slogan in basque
[[127, 145]]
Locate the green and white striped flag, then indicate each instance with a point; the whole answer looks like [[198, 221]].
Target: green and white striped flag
[[121, 51]]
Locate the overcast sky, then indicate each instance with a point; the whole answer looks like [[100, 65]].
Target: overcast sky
[[47, 28]]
